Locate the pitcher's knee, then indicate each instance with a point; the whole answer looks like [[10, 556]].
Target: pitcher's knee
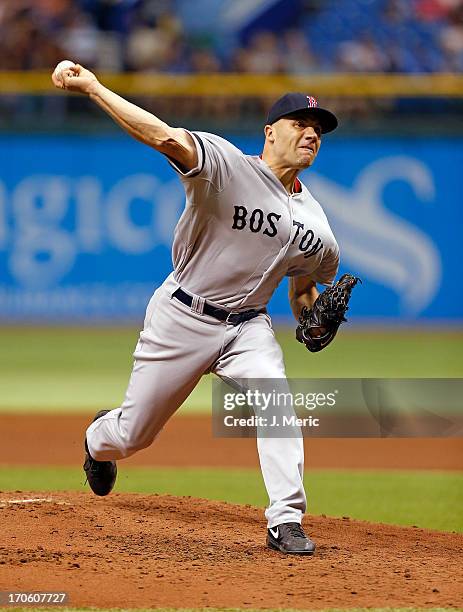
[[137, 438], [134, 444], [126, 446], [120, 437]]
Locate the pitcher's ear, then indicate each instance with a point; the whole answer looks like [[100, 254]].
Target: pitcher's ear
[[269, 133]]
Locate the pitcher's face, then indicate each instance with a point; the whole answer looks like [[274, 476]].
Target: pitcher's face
[[295, 139]]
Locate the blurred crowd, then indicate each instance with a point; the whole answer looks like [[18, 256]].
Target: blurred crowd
[[147, 35]]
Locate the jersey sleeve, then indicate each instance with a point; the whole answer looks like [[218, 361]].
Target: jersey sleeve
[[326, 272], [216, 158]]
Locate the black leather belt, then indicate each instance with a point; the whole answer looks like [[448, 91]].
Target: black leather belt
[[228, 316]]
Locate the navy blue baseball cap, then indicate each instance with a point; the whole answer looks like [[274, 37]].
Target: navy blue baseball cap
[[296, 102]]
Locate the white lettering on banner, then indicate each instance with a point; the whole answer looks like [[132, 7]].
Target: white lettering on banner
[[40, 251], [125, 234], [41, 201], [41, 257], [46, 221], [400, 255], [89, 223]]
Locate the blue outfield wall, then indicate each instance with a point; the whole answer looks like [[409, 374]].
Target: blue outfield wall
[[86, 225]]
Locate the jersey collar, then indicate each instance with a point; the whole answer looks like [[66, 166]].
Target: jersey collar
[[297, 185]]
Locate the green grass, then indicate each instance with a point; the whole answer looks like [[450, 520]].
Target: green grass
[[83, 369], [426, 499]]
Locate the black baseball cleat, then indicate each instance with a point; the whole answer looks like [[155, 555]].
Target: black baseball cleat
[[290, 538], [101, 475]]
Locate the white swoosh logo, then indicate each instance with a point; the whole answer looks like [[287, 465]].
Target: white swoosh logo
[[274, 533]]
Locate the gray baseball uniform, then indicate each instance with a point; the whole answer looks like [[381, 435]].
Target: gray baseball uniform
[[239, 235]]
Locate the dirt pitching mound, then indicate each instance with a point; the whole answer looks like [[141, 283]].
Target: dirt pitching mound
[[153, 551]]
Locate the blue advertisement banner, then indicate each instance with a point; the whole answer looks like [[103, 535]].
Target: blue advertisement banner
[[86, 225]]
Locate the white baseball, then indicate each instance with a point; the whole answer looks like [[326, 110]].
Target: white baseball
[[64, 65]]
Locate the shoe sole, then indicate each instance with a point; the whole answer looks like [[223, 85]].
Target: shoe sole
[[275, 546]]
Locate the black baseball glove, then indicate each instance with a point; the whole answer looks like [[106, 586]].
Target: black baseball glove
[[319, 324]]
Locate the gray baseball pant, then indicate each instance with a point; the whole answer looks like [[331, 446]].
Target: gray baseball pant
[[176, 347]]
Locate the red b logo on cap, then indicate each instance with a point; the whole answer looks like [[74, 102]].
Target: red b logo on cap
[[311, 102]]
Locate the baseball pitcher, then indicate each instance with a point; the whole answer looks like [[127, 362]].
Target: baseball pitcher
[[248, 222]]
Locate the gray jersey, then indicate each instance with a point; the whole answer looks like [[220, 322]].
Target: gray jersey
[[241, 232]]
